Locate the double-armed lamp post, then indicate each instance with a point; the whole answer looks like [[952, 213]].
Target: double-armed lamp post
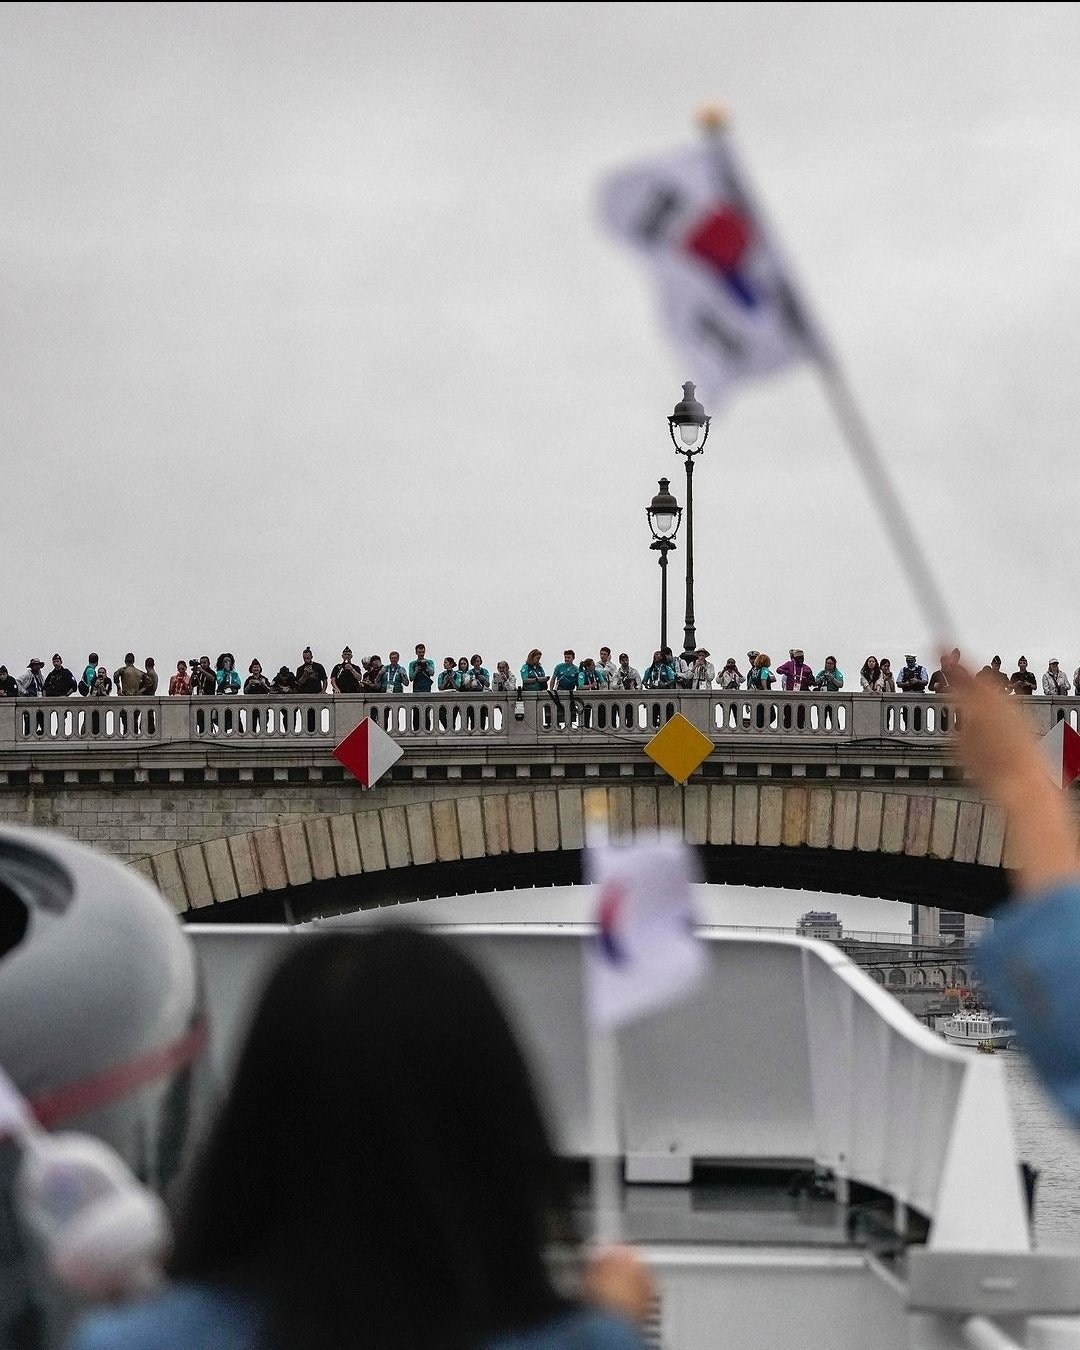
[[689, 428], [663, 514]]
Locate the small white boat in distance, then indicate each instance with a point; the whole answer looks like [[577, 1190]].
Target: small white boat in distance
[[978, 1028]]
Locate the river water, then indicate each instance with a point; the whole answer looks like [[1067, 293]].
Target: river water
[[1048, 1142]]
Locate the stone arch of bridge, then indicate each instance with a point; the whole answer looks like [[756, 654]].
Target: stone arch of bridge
[[926, 846]]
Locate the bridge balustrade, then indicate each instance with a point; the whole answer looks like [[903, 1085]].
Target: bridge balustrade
[[499, 719]]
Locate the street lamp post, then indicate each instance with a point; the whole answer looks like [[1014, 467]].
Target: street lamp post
[[663, 514], [689, 428]]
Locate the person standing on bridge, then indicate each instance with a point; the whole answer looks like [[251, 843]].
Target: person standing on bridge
[[830, 679], [534, 678], [660, 674], [394, 676], [1055, 681], [503, 680], [702, 672], [228, 677], [913, 678], [421, 671], [796, 674], [149, 686], [345, 678], [89, 674], [256, 682], [310, 675], [59, 683], [870, 676], [730, 677], [180, 683], [128, 678], [626, 676], [760, 675], [1023, 680], [565, 675]]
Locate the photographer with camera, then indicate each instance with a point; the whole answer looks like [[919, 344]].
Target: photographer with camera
[[345, 678], [421, 671]]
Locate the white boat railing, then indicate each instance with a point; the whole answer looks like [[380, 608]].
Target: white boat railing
[[788, 1053]]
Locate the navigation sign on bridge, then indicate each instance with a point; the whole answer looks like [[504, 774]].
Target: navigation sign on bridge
[[367, 752], [679, 748], [1061, 746]]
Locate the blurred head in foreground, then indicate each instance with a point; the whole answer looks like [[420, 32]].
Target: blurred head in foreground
[[381, 1161]]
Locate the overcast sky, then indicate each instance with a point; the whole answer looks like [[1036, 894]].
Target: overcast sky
[[310, 332]]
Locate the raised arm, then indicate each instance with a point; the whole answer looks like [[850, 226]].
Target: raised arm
[[998, 745]]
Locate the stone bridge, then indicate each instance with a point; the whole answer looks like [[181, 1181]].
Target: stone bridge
[[237, 810]]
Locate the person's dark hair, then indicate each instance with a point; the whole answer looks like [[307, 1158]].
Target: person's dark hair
[[93, 659], [380, 1174], [129, 659], [869, 672]]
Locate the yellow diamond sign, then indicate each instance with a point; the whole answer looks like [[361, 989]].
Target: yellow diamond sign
[[679, 748]]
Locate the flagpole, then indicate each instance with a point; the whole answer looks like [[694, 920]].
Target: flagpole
[[604, 1178], [869, 461]]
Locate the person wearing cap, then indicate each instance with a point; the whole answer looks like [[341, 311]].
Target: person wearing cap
[[31, 685], [1022, 680], [912, 678], [345, 678], [702, 672], [1055, 681], [796, 675], [626, 676], [60, 682], [994, 674]]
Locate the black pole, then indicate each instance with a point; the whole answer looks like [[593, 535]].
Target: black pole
[[663, 598], [690, 630]]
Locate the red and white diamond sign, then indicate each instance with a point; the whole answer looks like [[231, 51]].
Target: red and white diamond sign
[[367, 752], [1061, 746]]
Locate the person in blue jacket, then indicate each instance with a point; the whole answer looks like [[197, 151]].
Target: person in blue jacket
[[565, 675], [380, 1175], [659, 675], [1030, 961]]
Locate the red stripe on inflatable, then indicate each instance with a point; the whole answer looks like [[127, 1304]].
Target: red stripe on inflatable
[[101, 1089]]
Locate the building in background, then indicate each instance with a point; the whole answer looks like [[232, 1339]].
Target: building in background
[[820, 923], [935, 926]]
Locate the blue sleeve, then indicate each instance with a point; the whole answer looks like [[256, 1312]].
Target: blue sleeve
[[1030, 963]]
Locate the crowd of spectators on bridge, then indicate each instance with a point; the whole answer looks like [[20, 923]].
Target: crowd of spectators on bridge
[[370, 675]]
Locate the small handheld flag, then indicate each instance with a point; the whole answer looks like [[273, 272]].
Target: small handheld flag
[[645, 953]]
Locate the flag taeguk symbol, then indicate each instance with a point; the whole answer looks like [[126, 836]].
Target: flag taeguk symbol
[[608, 913], [722, 240]]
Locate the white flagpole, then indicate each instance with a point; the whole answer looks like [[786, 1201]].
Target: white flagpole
[[864, 450], [605, 1182]]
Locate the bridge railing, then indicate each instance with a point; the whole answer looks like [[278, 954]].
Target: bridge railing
[[496, 719]]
